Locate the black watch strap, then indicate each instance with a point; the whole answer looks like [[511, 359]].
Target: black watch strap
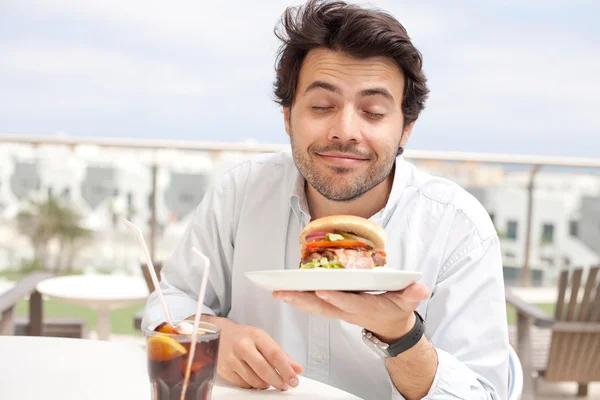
[[410, 339]]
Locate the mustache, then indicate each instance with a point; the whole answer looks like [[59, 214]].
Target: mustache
[[346, 148]]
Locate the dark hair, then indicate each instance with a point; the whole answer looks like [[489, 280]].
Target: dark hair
[[355, 31]]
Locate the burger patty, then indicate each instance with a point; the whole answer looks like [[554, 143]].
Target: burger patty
[[378, 259], [320, 253]]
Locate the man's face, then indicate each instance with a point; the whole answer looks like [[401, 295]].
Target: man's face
[[346, 122]]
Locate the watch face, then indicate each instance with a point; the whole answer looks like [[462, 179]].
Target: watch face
[[379, 351], [384, 354], [388, 350], [376, 345]]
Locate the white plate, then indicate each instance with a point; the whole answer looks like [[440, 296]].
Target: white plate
[[354, 280]]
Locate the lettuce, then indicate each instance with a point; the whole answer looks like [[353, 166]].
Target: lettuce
[[322, 263], [313, 264]]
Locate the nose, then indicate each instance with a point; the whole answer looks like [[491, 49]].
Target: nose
[[345, 126]]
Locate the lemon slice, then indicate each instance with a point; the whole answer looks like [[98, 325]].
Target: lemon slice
[[164, 348], [166, 328]]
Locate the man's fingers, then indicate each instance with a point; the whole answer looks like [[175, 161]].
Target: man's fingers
[[350, 303], [248, 375], [278, 359], [247, 351], [355, 304], [299, 369], [265, 370], [310, 303], [235, 379]]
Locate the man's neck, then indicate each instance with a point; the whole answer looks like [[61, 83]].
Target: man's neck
[[365, 206]]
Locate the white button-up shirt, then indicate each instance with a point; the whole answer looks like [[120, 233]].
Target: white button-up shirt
[[251, 220]]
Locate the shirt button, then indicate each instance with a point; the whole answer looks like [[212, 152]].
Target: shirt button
[[319, 357]]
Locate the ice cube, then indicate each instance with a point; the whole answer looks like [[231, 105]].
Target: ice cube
[[186, 327]]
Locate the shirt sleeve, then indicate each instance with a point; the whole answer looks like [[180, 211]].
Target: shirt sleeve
[[466, 323], [212, 232]]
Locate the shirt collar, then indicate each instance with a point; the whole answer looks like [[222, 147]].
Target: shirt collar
[[299, 203], [298, 200]]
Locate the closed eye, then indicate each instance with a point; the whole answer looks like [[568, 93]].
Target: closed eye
[[374, 115], [321, 108]]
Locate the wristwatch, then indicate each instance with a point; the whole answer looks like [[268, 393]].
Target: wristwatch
[[390, 350]]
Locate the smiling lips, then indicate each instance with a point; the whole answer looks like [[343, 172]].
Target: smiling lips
[[342, 159]]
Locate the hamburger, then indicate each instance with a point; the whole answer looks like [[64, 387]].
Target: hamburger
[[342, 241]]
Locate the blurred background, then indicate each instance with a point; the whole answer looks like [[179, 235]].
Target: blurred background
[[128, 109]]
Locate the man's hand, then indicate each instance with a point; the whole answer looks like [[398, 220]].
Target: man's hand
[[389, 316], [250, 358]]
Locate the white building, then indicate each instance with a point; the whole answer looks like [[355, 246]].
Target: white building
[[105, 186], [557, 240]]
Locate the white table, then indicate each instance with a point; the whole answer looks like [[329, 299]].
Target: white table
[[44, 368], [103, 293]]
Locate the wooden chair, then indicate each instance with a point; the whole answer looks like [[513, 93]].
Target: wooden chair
[[137, 320], [35, 324], [148, 277], [574, 343], [8, 302]]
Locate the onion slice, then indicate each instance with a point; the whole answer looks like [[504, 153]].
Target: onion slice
[[315, 235], [360, 239]]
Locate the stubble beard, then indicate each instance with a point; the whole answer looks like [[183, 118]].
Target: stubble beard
[[342, 184]]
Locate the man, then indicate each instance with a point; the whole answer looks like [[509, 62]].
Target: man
[[351, 87]]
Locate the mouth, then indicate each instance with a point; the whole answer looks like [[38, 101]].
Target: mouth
[[344, 159]]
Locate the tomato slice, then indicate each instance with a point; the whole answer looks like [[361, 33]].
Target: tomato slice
[[337, 243]]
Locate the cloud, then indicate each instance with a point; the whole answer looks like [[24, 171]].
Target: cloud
[[503, 71], [117, 71], [532, 85], [203, 24]]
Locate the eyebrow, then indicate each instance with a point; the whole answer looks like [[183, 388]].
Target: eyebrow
[[377, 91], [323, 85]]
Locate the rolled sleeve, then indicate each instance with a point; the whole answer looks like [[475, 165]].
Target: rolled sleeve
[[452, 381], [179, 305], [466, 323], [211, 232]]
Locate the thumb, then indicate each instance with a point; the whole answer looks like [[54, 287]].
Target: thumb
[[409, 298], [414, 292]]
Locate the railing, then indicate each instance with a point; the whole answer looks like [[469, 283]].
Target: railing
[[215, 149], [251, 147]]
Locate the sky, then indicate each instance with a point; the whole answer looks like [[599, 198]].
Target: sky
[[506, 76]]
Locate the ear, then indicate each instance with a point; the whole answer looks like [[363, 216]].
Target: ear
[[287, 113], [406, 133]]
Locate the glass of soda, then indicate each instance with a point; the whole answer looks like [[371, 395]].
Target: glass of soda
[[168, 353]]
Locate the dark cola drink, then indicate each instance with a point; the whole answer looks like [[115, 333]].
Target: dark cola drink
[[168, 359]]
